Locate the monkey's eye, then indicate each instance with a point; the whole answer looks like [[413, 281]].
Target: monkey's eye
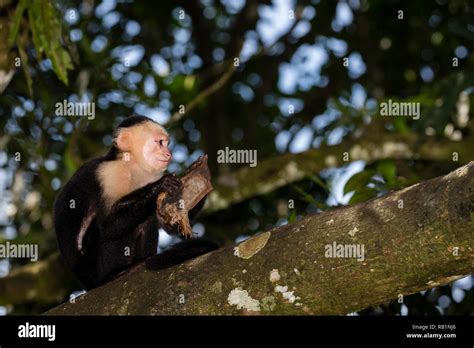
[[162, 142]]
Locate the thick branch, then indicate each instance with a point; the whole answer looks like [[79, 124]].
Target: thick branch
[[273, 173], [414, 239]]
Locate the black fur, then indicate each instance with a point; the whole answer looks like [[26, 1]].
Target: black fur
[[113, 241]]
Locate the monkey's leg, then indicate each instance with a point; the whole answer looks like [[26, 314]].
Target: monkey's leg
[[118, 255]]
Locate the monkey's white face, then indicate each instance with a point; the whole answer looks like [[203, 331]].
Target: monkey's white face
[[155, 152], [148, 145]]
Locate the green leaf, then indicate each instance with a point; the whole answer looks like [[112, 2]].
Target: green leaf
[[319, 182], [16, 20], [388, 170], [24, 65], [358, 181], [309, 198], [70, 159], [33, 16], [47, 36], [60, 58], [400, 124], [362, 195], [292, 216], [177, 84]]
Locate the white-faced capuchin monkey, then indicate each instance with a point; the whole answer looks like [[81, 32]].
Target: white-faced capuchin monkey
[[105, 216]]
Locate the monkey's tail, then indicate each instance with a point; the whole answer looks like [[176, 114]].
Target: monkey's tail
[[179, 253]]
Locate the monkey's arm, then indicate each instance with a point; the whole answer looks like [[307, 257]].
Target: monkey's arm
[[130, 211]]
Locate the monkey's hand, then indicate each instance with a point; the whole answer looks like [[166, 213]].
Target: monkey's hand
[[172, 186]]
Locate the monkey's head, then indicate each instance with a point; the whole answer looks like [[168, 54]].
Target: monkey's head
[[144, 142]]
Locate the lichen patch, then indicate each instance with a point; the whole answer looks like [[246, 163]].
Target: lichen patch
[[242, 300], [217, 287], [353, 231], [287, 295], [251, 246], [274, 275], [268, 303]]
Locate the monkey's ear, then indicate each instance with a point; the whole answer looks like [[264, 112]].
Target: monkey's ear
[[124, 140]]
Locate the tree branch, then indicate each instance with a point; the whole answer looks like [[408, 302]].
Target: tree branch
[[219, 83], [273, 173], [414, 239]]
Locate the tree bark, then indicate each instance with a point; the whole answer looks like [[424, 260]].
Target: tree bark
[[414, 239]]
